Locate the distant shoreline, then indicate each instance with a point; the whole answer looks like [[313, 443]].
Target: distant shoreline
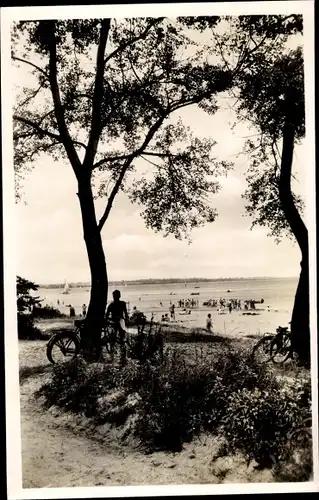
[[163, 281]]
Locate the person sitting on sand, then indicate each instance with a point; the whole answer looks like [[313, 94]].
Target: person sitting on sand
[[209, 323], [118, 312]]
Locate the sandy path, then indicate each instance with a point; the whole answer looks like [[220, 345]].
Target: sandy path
[[53, 455]]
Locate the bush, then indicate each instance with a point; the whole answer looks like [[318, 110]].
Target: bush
[[172, 403], [26, 328], [147, 347], [257, 423], [76, 387], [179, 396], [47, 312]]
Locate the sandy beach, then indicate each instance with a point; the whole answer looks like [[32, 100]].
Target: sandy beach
[[155, 300]]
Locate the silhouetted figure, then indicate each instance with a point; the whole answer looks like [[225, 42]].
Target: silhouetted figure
[[209, 323], [119, 315], [84, 310]]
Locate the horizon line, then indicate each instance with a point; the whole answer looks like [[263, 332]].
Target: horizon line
[[194, 278]]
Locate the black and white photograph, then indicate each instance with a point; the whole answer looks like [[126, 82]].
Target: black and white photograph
[[159, 249]]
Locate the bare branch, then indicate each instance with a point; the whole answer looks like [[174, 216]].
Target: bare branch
[[151, 162], [15, 58]]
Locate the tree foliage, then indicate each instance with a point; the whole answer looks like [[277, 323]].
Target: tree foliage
[[25, 301], [116, 102], [273, 78]]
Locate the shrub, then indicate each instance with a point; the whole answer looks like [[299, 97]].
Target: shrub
[[172, 403], [26, 328], [179, 395], [47, 312], [76, 387], [147, 347], [257, 422]]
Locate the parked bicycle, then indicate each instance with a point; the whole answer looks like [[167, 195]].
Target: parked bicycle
[[65, 345], [276, 348]]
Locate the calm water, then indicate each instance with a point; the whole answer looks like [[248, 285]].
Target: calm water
[[277, 293]]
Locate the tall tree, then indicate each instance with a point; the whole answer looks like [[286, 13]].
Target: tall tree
[[278, 110], [100, 96], [268, 94]]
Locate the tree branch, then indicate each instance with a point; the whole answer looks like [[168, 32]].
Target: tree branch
[[114, 192], [124, 46], [15, 58], [151, 162], [37, 127], [97, 96], [126, 165], [31, 96], [58, 108], [125, 157], [42, 131]]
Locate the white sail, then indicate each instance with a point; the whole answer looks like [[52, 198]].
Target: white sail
[[66, 288]]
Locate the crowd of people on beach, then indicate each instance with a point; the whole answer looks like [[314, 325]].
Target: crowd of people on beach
[[188, 303], [232, 304]]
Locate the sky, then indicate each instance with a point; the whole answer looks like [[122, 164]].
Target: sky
[[50, 238], [50, 245]]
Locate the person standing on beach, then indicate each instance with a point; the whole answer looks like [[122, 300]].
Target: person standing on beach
[[172, 311], [118, 312], [84, 310], [209, 323], [119, 315]]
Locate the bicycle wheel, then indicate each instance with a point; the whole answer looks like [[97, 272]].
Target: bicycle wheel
[[261, 351], [62, 347], [280, 349]]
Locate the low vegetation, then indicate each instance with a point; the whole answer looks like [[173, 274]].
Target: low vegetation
[[47, 312], [167, 401]]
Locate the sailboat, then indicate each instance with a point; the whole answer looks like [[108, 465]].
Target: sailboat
[[66, 288]]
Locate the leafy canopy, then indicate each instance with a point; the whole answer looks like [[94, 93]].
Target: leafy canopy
[[24, 298], [268, 83], [101, 94]]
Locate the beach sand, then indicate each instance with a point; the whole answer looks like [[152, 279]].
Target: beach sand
[[155, 300]]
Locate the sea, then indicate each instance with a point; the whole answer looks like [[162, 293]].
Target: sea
[[274, 293]]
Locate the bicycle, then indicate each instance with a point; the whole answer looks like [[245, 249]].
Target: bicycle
[[276, 348], [261, 350], [66, 345], [281, 347]]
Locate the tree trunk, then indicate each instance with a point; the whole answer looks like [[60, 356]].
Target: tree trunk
[[300, 327], [91, 335]]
